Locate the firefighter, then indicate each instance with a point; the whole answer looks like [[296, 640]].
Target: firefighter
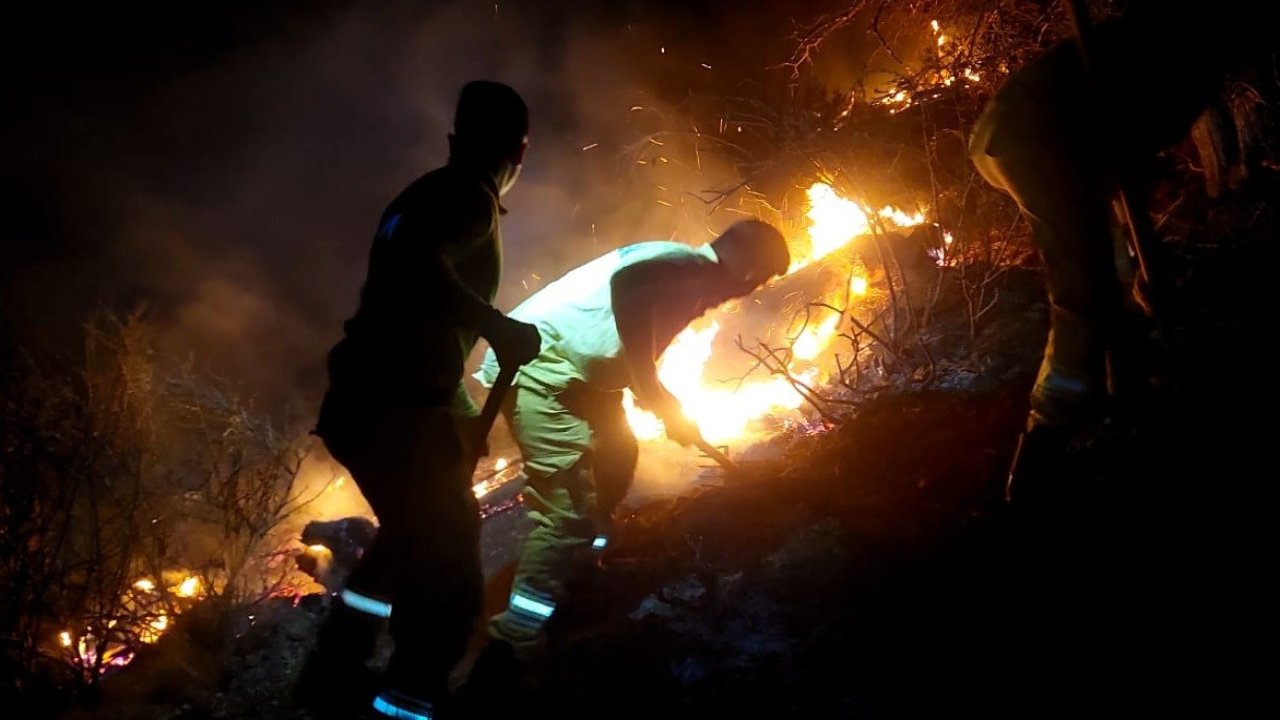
[[603, 326], [1061, 140], [397, 416]]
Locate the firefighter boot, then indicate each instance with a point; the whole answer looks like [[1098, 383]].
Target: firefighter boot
[[497, 686], [1037, 472], [392, 704], [336, 681]]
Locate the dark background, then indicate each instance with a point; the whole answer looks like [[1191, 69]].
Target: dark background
[[222, 165]]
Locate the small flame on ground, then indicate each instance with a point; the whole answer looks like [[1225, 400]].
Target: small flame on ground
[[503, 470], [64, 637], [145, 585]]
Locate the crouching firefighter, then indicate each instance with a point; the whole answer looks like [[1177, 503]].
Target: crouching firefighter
[[396, 415], [603, 326]]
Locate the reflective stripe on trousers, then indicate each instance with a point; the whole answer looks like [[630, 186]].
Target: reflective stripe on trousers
[[403, 707], [529, 608]]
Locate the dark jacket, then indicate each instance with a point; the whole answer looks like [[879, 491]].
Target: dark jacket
[[437, 247]]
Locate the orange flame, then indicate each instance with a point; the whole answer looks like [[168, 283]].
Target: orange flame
[[724, 413], [189, 587]]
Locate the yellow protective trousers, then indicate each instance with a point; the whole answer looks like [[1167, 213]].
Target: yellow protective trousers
[[580, 459]]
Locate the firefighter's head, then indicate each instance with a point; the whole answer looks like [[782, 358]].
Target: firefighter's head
[[491, 130], [751, 252]]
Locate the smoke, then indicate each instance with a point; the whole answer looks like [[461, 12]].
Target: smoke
[[232, 190]]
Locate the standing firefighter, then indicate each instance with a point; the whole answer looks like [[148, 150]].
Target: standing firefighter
[[1061, 137], [603, 325], [396, 415]]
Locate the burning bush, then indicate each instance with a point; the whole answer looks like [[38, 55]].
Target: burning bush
[[870, 178], [128, 493]]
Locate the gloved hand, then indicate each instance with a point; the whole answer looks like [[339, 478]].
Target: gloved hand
[[515, 343]]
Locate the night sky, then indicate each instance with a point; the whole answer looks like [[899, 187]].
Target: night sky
[[222, 165]]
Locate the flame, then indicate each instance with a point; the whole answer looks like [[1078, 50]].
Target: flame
[[503, 470], [813, 340], [151, 633], [858, 286], [140, 620], [833, 222], [188, 588], [899, 99], [724, 412]]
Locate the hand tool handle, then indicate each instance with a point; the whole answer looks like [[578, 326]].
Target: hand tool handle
[[714, 453], [492, 405]]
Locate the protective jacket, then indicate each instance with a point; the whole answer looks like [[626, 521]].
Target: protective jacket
[[405, 346]]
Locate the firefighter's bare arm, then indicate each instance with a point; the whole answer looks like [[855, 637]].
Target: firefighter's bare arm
[[636, 297]]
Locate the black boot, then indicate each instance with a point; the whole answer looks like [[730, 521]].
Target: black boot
[[1037, 475], [336, 681], [497, 685], [392, 704]]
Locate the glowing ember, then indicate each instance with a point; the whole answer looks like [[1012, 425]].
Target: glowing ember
[[724, 412], [145, 585], [64, 637], [899, 99], [503, 470]]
